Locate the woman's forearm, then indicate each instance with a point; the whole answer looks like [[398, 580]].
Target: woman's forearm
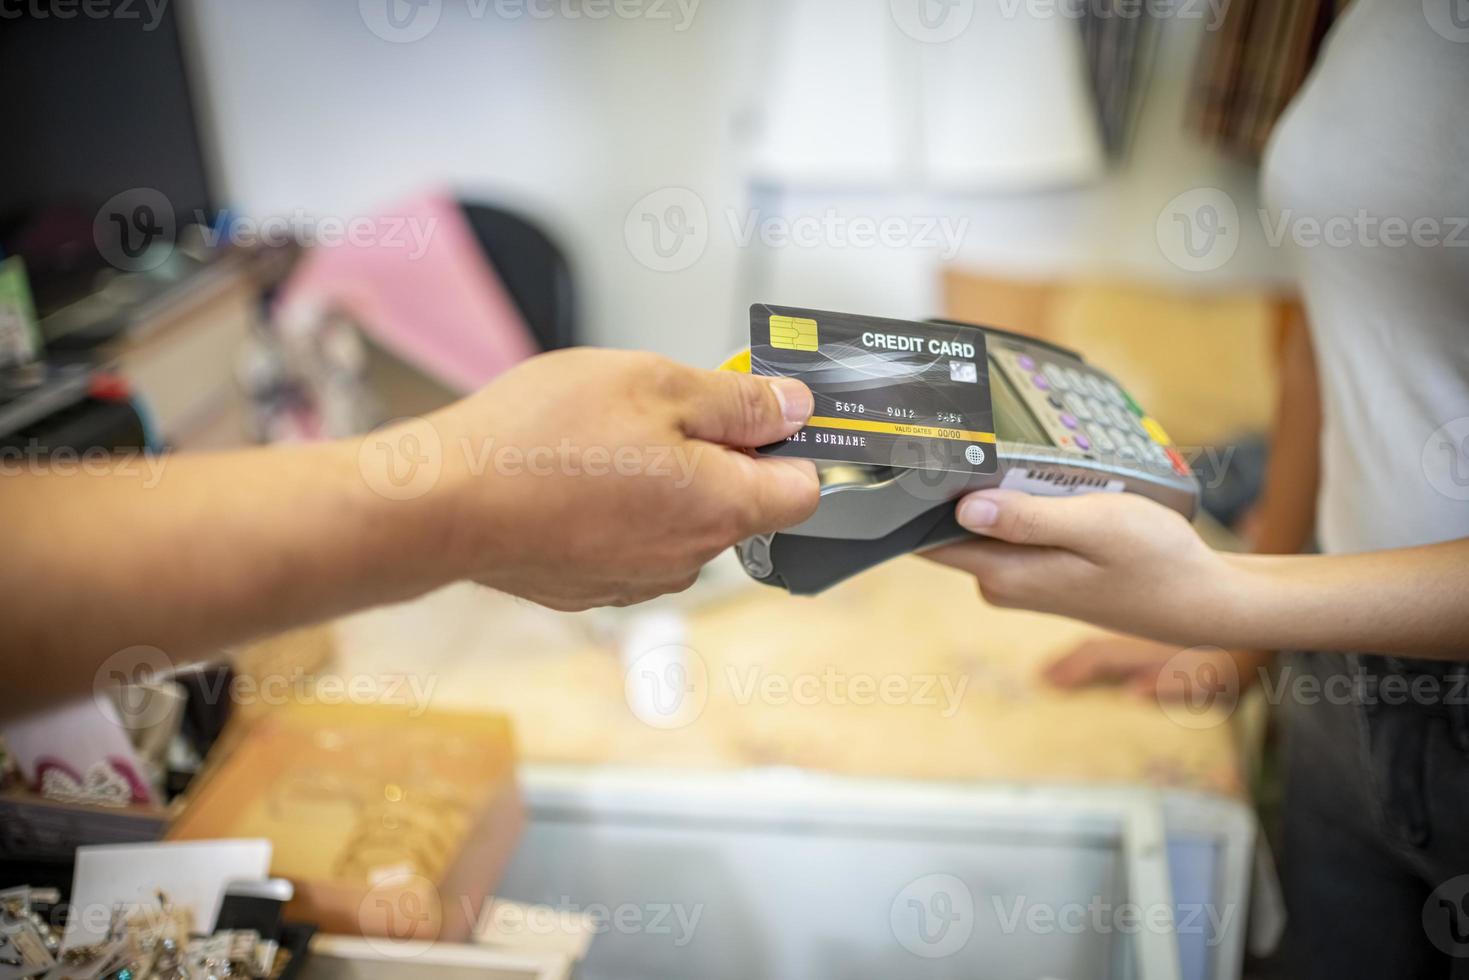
[[1285, 517], [1411, 602]]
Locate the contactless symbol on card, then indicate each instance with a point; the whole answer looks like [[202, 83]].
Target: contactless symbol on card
[[888, 392]]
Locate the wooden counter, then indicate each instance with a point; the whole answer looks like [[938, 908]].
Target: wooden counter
[[903, 672]]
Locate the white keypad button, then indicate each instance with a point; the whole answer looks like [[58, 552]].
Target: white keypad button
[[1077, 406], [1101, 438]]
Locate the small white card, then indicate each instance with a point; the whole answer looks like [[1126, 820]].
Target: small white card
[[193, 874]]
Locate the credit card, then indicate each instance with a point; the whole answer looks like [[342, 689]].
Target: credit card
[[888, 392]]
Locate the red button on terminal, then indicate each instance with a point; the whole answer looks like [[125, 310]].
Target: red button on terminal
[[1180, 465]]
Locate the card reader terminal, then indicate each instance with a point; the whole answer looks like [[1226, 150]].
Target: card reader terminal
[[1062, 427]]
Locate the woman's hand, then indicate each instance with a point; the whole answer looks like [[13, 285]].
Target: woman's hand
[[1163, 671], [1116, 560]]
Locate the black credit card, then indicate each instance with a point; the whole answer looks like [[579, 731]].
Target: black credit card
[[888, 392]]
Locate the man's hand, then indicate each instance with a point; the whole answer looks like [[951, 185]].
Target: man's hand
[[586, 478], [578, 479], [1116, 560]]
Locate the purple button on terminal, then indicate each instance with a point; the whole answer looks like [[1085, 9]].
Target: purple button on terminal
[[1069, 421], [1083, 443], [1026, 362], [1040, 382]]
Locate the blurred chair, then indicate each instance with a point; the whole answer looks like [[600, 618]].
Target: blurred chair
[[532, 267]]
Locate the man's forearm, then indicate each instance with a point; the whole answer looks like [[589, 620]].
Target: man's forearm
[[202, 552], [1411, 602]]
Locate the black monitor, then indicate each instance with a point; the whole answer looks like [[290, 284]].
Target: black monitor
[[92, 105]]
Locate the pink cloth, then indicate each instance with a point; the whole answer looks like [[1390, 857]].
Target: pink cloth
[[415, 279]]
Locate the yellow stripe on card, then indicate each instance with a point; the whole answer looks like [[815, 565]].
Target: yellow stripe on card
[[900, 429]]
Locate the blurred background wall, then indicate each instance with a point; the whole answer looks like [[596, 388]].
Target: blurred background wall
[[576, 120]]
